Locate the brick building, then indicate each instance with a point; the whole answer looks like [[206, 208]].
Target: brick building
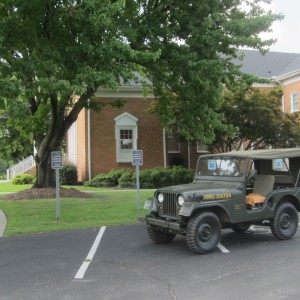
[[100, 142]]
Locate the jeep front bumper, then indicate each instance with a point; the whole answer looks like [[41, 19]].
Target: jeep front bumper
[[161, 223]]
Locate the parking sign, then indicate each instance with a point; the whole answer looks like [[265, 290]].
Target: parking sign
[[137, 157], [56, 160]]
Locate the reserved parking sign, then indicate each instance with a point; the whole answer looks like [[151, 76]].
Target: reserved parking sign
[[137, 157]]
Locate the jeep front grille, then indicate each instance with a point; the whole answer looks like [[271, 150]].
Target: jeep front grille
[[170, 205]]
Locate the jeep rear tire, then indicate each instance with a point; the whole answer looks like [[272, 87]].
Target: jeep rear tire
[[159, 237], [203, 232], [285, 222]]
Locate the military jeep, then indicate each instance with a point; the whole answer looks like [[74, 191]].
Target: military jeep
[[230, 190]]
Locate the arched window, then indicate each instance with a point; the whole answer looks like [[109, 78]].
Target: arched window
[[126, 136]]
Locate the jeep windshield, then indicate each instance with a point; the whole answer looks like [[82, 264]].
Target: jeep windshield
[[221, 167]]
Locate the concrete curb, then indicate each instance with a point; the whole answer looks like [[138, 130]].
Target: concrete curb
[[3, 223]]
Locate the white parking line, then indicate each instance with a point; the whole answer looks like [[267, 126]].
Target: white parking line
[[222, 248], [80, 273]]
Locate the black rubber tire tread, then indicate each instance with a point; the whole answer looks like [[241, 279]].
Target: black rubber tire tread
[[240, 227], [160, 237], [285, 222], [210, 223]]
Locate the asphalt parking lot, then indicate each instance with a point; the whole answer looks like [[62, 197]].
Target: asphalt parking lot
[[128, 265]]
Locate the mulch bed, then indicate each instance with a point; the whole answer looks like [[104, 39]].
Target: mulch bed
[[47, 193]]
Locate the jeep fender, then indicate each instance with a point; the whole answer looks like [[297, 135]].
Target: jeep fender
[[189, 208], [275, 198]]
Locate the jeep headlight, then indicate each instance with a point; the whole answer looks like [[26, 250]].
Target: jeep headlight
[[160, 198], [180, 200]]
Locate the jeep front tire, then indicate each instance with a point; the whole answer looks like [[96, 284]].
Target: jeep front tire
[[285, 222], [203, 232]]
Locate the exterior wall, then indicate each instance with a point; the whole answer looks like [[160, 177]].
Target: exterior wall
[[103, 142]]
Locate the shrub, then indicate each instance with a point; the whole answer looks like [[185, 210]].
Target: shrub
[[127, 180], [145, 179], [116, 174], [161, 177], [23, 179], [107, 180], [101, 180], [181, 175], [68, 175], [127, 185], [149, 178]]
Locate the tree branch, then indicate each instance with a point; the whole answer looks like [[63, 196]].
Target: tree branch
[[81, 102]]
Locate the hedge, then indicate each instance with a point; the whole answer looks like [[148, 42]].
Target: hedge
[[149, 178]]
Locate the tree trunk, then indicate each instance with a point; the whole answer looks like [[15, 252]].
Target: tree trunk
[[45, 175]]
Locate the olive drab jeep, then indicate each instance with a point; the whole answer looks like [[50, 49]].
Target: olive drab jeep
[[230, 190]]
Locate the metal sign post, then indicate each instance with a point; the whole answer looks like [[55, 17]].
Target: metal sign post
[[57, 194], [137, 161], [57, 163]]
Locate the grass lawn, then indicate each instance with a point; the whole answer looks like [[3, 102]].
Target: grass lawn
[[109, 207], [7, 187]]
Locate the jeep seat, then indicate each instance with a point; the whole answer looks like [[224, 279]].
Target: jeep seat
[[263, 185]]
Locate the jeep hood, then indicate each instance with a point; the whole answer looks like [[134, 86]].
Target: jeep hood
[[201, 186]]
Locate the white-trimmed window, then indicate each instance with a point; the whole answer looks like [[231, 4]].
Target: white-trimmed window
[[173, 145], [126, 136], [294, 102]]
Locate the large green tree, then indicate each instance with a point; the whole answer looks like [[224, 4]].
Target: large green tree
[[52, 50], [254, 118], [13, 146]]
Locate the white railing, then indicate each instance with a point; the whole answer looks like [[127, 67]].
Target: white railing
[[21, 167]]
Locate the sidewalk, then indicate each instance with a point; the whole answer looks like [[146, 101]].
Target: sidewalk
[[3, 223]]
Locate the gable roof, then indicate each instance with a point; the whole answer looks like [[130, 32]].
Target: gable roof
[[269, 65], [272, 64]]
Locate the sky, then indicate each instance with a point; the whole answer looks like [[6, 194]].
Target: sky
[[286, 31]]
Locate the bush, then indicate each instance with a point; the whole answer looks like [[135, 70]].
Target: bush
[[116, 174], [68, 175], [101, 180], [116, 177], [181, 175], [23, 179], [128, 179], [161, 177], [145, 179], [149, 178]]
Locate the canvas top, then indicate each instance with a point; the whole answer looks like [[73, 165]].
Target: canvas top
[[260, 154]]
